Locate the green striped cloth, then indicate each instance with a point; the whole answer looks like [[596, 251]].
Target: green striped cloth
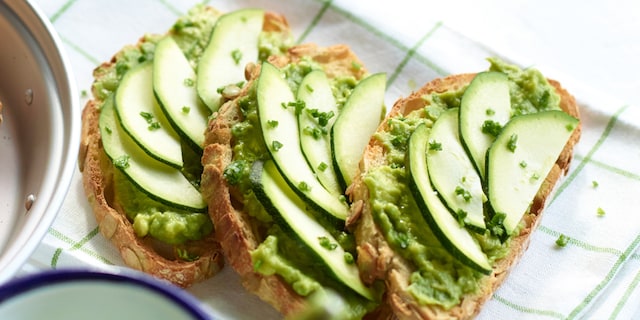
[[595, 276]]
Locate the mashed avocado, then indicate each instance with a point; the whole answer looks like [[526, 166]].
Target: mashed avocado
[[439, 279], [151, 218]]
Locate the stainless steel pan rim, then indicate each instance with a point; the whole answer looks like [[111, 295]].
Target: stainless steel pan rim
[[40, 134]]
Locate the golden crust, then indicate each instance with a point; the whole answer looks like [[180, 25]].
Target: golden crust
[[237, 232], [376, 258], [97, 177]]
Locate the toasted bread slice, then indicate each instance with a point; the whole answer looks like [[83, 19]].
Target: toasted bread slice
[[376, 257], [145, 254], [237, 230]]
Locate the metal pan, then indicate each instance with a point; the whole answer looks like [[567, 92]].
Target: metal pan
[[39, 136]]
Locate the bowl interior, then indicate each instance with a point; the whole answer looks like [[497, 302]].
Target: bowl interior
[[40, 132], [76, 294]]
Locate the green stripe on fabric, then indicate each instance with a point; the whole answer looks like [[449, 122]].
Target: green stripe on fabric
[[173, 9], [603, 137], [412, 52], [81, 51], [76, 246], [581, 244], [314, 21], [390, 39], [523, 309], [625, 297], [607, 279], [610, 168], [62, 10]]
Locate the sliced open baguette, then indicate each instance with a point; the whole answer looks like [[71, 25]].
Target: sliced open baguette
[[237, 230], [377, 259], [145, 254]]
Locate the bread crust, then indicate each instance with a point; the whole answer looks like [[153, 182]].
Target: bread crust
[[97, 177], [236, 230], [376, 258]]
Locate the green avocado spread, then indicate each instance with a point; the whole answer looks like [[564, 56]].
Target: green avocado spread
[[149, 217], [439, 278]]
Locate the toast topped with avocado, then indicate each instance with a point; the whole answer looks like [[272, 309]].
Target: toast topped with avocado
[[143, 134], [273, 165], [453, 183]]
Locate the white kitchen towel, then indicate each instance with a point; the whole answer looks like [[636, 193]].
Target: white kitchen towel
[[595, 276]]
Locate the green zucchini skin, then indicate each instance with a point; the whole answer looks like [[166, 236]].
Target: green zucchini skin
[[454, 237], [291, 214]]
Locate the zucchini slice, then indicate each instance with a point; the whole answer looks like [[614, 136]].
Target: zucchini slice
[[454, 237], [282, 202], [174, 87], [484, 109], [143, 120], [453, 174], [279, 126], [357, 121], [233, 44], [314, 123], [159, 181], [521, 158]]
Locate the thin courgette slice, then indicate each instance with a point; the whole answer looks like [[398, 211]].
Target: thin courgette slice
[[452, 173], [314, 123], [281, 201], [159, 181], [357, 121], [279, 126], [454, 237], [233, 44], [484, 109], [174, 88], [521, 158], [142, 118]]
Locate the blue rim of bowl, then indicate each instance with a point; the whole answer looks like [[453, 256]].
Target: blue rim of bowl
[[27, 283]]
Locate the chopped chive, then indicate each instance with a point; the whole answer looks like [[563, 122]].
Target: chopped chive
[[154, 126], [435, 146], [491, 127], [108, 130], [562, 241], [464, 193], [272, 123], [327, 244], [122, 162], [460, 216], [276, 145], [512, 144], [309, 88], [523, 164], [236, 55], [595, 184], [303, 186], [189, 82], [147, 116], [570, 127], [601, 212], [490, 112], [348, 258], [186, 109], [322, 166]]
